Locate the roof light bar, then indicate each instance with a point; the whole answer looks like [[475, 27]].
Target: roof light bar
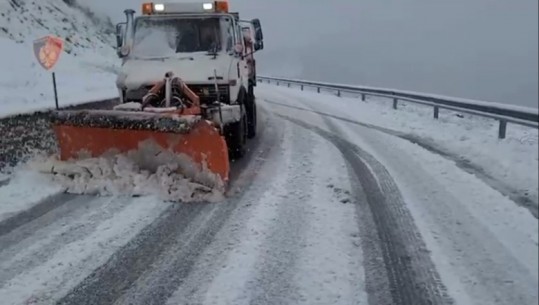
[[147, 8], [159, 7], [219, 6]]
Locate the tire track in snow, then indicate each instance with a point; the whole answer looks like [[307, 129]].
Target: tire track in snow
[[231, 263], [484, 250], [412, 276], [286, 246], [33, 231], [111, 280], [273, 282], [514, 194], [172, 270], [71, 230], [486, 253], [171, 275], [158, 260], [206, 281], [44, 206], [329, 265], [54, 278]]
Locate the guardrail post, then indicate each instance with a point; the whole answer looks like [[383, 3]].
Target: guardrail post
[[301, 87], [277, 83], [288, 85], [502, 130], [395, 101], [363, 96], [436, 111], [318, 89], [339, 93]]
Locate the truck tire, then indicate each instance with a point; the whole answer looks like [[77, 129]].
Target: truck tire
[[251, 113], [235, 135]]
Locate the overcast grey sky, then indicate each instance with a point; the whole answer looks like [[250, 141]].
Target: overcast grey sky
[[481, 49]]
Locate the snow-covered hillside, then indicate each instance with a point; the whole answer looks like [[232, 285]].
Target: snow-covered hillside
[[86, 68]]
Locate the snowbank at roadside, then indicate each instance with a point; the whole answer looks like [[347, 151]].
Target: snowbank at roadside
[[28, 87], [85, 71]]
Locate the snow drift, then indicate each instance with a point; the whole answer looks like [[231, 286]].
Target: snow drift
[[149, 170]]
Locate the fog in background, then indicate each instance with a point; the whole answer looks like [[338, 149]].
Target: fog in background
[[480, 49]]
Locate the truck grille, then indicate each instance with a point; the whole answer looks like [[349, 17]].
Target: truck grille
[[207, 93]]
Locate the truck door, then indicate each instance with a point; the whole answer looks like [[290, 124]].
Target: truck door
[[242, 63]]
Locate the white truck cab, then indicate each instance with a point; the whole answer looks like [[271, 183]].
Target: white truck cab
[[201, 42]]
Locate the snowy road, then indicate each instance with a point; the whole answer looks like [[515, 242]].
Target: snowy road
[[322, 211]]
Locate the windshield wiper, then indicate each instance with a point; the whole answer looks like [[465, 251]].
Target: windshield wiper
[[213, 51]]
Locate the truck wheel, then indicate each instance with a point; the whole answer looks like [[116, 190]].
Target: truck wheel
[[235, 138], [251, 114]]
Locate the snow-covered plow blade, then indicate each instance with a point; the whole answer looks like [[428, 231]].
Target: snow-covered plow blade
[[97, 133], [167, 141]]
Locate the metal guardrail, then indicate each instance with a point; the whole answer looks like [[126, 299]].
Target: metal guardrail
[[498, 112]]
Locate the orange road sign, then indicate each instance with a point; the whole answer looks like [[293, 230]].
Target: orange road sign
[[48, 50]]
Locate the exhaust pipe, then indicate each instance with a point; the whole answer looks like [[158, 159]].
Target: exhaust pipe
[[168, 88], [130, 31]]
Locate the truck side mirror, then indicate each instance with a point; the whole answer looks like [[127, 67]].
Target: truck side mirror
[[259, 45], [259, 36]]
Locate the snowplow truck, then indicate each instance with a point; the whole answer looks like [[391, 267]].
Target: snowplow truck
[[186, 84]]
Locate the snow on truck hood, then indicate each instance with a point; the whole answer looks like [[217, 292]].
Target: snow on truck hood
[[192, 69]]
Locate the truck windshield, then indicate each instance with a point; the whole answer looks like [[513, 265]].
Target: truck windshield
[[162, 37]]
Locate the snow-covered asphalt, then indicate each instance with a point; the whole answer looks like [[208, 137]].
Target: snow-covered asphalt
[[321, 211]]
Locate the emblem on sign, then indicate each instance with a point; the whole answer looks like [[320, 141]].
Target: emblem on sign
[[48, 50]]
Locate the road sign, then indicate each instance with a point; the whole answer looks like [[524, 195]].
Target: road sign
[[47, 51]]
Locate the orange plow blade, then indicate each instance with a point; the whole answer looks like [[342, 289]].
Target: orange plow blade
[[96, 133]]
